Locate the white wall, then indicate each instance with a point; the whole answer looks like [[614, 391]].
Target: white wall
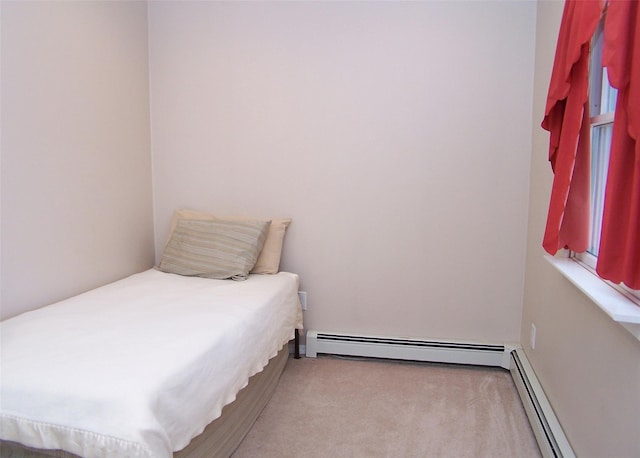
[[396, 135], [76, 168], [589, 366]]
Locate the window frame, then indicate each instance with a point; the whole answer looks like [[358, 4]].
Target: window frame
[[602, 97]]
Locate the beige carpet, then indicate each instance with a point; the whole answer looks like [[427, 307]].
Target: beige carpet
[[334, 407]]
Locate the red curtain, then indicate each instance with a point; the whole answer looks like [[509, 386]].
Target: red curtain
[[619, 255], [567, 120]]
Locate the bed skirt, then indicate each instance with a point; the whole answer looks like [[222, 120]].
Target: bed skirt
[[221, 437]]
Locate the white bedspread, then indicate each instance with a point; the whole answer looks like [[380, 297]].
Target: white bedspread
[[139, 367]]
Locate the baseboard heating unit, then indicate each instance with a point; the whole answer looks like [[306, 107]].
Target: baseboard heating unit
[[407, 349], [546, 428], [545, 425]]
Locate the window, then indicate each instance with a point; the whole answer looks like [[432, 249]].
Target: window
[[602, 107]]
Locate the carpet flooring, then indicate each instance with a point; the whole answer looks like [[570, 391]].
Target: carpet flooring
[[339, 407]]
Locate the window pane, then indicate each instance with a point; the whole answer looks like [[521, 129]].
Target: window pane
[[600, 146], [609, 95]]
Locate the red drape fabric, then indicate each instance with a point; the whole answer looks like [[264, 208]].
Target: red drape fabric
[[567, 120], [619, 254]]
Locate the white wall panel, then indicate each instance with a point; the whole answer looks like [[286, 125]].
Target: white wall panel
[[397, 135], [76, 163]]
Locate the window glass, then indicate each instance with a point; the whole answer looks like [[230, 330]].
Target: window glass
[[600, 147]]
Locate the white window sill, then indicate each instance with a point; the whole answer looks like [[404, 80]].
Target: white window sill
[[615, 304]]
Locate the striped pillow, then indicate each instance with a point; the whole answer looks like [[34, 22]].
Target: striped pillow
[[269, 258], [214, 249]]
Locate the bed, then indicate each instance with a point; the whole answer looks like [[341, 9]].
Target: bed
[[158, 364]]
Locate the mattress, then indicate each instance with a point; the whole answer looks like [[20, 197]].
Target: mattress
[[139, 367]]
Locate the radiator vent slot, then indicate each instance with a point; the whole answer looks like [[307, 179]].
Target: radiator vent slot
[[411, 343]]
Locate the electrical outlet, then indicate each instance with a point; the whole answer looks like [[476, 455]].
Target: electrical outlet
[[532, 336], [303, 299]]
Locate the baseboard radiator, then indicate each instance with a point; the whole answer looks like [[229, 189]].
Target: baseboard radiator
[[545, 425], [407, 349], [546, 428]]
